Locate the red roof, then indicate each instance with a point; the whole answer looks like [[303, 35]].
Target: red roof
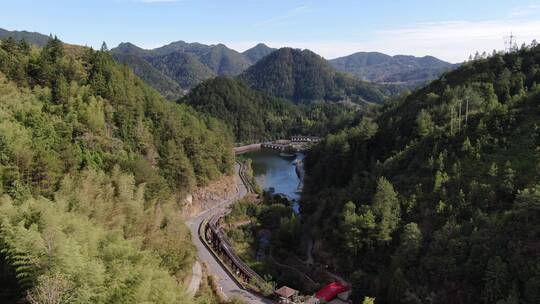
[[330, 291]]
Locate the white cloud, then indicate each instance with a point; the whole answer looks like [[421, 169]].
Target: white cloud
[[452, 41], [282, 19]]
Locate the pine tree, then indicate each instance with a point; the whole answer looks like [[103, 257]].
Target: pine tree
[[386, 209], [424, 123], [495, 280], [104, 47]]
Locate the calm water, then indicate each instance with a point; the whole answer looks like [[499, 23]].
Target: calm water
[[273, 171]]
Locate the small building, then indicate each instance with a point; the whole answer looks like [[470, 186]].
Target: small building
[[286, 294], [334, 290]]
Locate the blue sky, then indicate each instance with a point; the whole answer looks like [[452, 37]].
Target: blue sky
[[450, 30]]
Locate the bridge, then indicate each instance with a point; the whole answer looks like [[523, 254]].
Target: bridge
[[296, 143], [301, 138], [275, 146]]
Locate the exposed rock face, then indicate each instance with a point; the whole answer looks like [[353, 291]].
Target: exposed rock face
[[205, 198]]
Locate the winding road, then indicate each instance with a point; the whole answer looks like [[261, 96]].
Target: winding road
[[228, 285]]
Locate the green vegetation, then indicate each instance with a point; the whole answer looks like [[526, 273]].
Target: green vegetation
[[219, 58], [168, 87], [436, 199], [303, 76], [254, 116], [259, 231], [93, 167], [408, 71], [257, 52], [184, 68]]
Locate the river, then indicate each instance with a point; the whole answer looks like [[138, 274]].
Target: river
[[275, 172]]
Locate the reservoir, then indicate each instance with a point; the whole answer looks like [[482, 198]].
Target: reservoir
[[273, 171]]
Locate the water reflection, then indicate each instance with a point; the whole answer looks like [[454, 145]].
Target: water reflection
[[275, 172]]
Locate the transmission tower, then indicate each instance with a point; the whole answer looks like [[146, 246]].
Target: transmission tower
[[510, 44]]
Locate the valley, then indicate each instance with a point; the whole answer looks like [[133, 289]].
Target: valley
[[306, 169]]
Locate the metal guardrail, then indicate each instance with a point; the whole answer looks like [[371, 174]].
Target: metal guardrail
[[225, 245]]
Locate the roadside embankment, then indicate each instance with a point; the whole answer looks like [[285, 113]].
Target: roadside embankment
[[207, 197]]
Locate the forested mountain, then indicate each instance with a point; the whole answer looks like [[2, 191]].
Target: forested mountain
[[219, 58], [254, 116], [437, 199], [188, 64], [303, 76], [30, 37], [257, 52], [94, 165], [400, 69], [159, 81], [183, 68]]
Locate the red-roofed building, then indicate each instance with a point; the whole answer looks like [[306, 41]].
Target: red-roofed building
[[332, 290]]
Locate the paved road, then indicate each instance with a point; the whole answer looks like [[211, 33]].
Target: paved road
[[228, 285]]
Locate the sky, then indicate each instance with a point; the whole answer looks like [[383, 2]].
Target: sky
[[450, 30]]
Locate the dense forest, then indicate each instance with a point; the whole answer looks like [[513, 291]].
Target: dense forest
[[168, 87], [303, 77], [254, 116], [94, 166], [437, 200]]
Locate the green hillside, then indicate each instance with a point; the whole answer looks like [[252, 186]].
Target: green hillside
[[94, 166], [254, 116], [184, 68], [437, 199], [159, 80], [303, 76]]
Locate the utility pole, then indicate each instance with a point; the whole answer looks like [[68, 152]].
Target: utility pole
[[510, 43]]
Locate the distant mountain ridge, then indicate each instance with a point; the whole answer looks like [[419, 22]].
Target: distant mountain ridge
[[175, 68], [187, 64], [257, 52], [30, 37], [406, 70]]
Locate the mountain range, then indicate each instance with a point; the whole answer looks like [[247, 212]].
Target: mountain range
[[186, 64], [30, 37], [409, 71], [175, 68]]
